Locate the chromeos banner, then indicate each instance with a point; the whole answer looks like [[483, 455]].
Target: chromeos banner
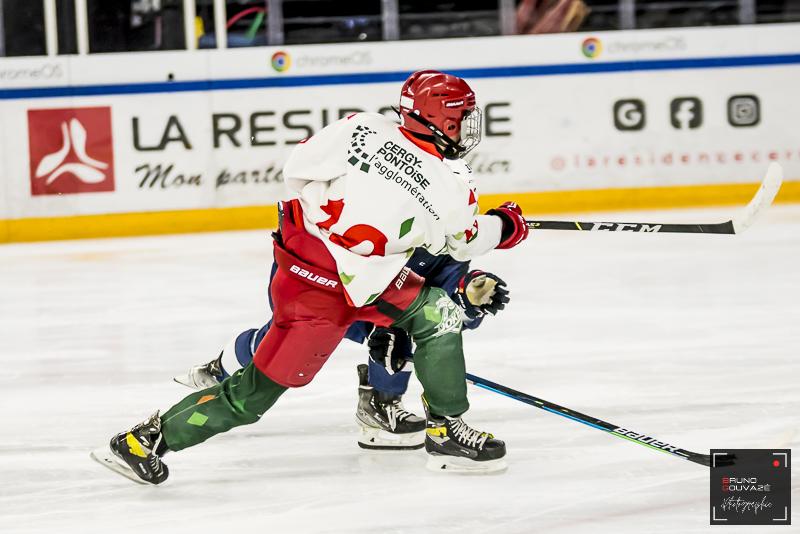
[[149, 132]]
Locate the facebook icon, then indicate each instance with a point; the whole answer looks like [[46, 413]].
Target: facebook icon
[[686, 113]]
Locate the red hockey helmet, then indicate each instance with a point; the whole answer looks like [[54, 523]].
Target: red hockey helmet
[[442, 106]]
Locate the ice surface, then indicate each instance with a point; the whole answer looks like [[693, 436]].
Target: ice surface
[[694, 339]]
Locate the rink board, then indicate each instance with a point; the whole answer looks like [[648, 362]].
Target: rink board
[[162, 142], [253, 217]]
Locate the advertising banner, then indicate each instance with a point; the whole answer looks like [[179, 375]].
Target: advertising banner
[[152, 132]]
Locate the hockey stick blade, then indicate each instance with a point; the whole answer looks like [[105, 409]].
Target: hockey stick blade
[[763, 198], [610, 428]]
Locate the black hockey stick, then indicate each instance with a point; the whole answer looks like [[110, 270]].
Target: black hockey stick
[[614, 430], [763, 198]]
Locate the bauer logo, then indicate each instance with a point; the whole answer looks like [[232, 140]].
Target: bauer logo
[[592, 47], [312, 277], [647, 440], [281, 61], [70, 150], [753, 489]]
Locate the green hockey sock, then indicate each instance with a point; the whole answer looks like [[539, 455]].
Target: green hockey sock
[[240, 399]]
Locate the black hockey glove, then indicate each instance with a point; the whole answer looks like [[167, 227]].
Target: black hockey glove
[[480, 293], [390, 348]]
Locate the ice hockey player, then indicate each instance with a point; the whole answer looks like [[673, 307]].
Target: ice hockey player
[[367, 193], [384, 422]]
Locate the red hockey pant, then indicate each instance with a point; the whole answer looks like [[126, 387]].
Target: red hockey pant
[[310, 317]]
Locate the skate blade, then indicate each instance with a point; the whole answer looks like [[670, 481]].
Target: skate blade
[[457, 464], [185, 381], [189, 381], [388, 447], [381, 440], [108, 459]]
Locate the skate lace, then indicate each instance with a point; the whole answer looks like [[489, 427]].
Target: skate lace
[[467, 435], [152, 428], [155, 462], [396, 413]]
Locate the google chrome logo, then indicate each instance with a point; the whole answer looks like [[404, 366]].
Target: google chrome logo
[[281, 61], [592, 47]]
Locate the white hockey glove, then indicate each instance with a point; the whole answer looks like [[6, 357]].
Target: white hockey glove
[[480, 293]]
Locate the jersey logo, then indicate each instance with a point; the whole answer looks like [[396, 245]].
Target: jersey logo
[[445, 314], [358, 142]]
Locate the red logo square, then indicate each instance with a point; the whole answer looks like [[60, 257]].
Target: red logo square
[[71, 150]]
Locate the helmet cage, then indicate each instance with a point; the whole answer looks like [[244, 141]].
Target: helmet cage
[[470, 129]]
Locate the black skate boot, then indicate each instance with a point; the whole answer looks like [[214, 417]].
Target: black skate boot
[[203, 376], [452, 445], [137, 453], [385, 424]]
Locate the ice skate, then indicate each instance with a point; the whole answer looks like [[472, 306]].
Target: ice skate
[[384, 423], [452, 445], [203, 376], [136, 454]]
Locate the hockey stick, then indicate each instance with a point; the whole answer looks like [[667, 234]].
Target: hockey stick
[[763, 198], [614, 430]]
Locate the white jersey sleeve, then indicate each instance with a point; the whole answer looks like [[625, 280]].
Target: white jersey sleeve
[[472, 234], [479, 238]]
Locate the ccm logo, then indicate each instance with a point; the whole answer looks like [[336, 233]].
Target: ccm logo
[[626, 227], [321, 280]]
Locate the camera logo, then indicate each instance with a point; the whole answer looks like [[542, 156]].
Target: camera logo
[[686, 113], [629, 115], [744, 111]]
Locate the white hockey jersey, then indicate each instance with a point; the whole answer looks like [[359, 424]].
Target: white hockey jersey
[[373, 196]]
